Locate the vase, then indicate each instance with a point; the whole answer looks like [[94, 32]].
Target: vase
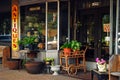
[[55, 69], [102, 67], [67, 51], [34, 67]]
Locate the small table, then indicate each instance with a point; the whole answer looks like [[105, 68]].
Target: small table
[[48, 68], [100, 75]]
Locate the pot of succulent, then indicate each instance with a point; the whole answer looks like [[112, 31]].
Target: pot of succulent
[[66, 48], [75, 46], [49, 61]]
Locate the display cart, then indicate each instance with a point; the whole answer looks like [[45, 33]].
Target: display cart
[[72, 68]]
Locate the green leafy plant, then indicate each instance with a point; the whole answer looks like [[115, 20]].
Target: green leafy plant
[[27, 40], [71, 46], [49, 60], [75, 45], [66, 45]]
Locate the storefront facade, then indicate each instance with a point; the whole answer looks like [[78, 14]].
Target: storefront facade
[[42, 20], [55, 22], [93, 23]]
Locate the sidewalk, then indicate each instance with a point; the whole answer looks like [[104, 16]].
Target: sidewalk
[[6, 74]]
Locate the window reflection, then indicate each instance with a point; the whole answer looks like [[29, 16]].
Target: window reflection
[[52, 26], [33, 23]]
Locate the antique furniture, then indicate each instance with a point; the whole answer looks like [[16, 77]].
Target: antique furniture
[[72, 68]]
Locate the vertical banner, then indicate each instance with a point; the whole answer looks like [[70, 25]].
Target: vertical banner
[[15, 29]]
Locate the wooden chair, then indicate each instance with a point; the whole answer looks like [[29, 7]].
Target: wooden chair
[[114, 67]]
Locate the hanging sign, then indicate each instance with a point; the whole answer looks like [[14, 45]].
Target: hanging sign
[[106, 27], [14, 27]]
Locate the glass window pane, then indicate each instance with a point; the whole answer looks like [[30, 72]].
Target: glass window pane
[[33, 23], [52, 26]]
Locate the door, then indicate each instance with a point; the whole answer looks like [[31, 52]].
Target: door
[[91, 32]]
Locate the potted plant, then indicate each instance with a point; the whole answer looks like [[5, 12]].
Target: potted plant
[[49, 61], [66, 48], [101, 65], [75, 46], [27, 41]]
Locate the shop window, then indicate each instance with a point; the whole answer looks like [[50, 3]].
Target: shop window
[[33, 22], [52, 26]]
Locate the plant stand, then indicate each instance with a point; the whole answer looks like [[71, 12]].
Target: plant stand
[[55, 69]]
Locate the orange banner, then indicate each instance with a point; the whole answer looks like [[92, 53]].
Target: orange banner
[[14, 27]]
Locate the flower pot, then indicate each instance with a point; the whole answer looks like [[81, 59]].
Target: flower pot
[[67, 51], [32, 55], [34, 67], [48, 62], [102, 67], [55, 69], [75, 52]]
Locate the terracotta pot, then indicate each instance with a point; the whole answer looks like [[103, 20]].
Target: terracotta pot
[[76, 52], [34, 67], [13, 65], [32, 54], [67, 51]]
